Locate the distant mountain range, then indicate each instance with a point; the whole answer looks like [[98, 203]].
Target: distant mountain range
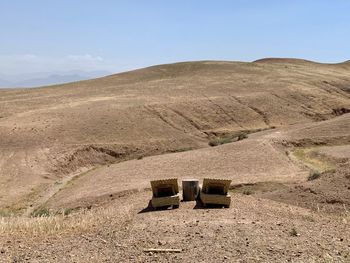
[[47, 78]]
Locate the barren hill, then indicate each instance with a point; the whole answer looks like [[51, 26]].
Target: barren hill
[[89, 149], [48, 133]]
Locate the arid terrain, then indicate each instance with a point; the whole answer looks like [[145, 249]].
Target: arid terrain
[[77, 159]]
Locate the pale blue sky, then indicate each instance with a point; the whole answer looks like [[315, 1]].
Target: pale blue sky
[[113, 35]]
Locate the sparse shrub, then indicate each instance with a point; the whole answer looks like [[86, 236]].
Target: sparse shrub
[[181, 150], [248, 192], [219, 141], [67, 211], [314, 175], [140, 157], [41, 212], [242, 136], [4, 213], [213, 143], [294, 232]]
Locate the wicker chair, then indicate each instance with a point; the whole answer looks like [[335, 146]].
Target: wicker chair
[[215, 191], [165, 193]]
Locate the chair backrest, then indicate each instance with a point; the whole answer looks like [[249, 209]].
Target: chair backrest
[[166, 187], [216, 186]]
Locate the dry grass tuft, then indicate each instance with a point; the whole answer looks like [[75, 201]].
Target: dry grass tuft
[[61, 224], [313, 159]]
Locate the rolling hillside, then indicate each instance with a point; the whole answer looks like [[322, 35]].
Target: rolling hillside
[[50, 133], [76, 161]]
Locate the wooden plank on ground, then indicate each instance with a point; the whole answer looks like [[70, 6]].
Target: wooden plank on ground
[[162, 250]]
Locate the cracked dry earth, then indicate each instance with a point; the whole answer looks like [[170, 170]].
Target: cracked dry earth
[[251, 230]]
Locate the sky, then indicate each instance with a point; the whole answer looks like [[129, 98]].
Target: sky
[[112, 35]]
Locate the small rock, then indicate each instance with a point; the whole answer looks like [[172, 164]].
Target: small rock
[[2, 251], [161, 243]]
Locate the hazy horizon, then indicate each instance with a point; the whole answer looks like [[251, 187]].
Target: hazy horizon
[[119, 36]]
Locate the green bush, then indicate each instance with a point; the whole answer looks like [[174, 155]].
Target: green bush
[[67, 211], [314, 175], [215, 141], [247, 192], [294, 232], [242, 136], [219, 141], [41, 212]]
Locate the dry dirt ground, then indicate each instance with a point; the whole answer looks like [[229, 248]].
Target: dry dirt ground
[[82, 155], [251, 230]]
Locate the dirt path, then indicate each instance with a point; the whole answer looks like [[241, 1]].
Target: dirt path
[[52, 190]]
